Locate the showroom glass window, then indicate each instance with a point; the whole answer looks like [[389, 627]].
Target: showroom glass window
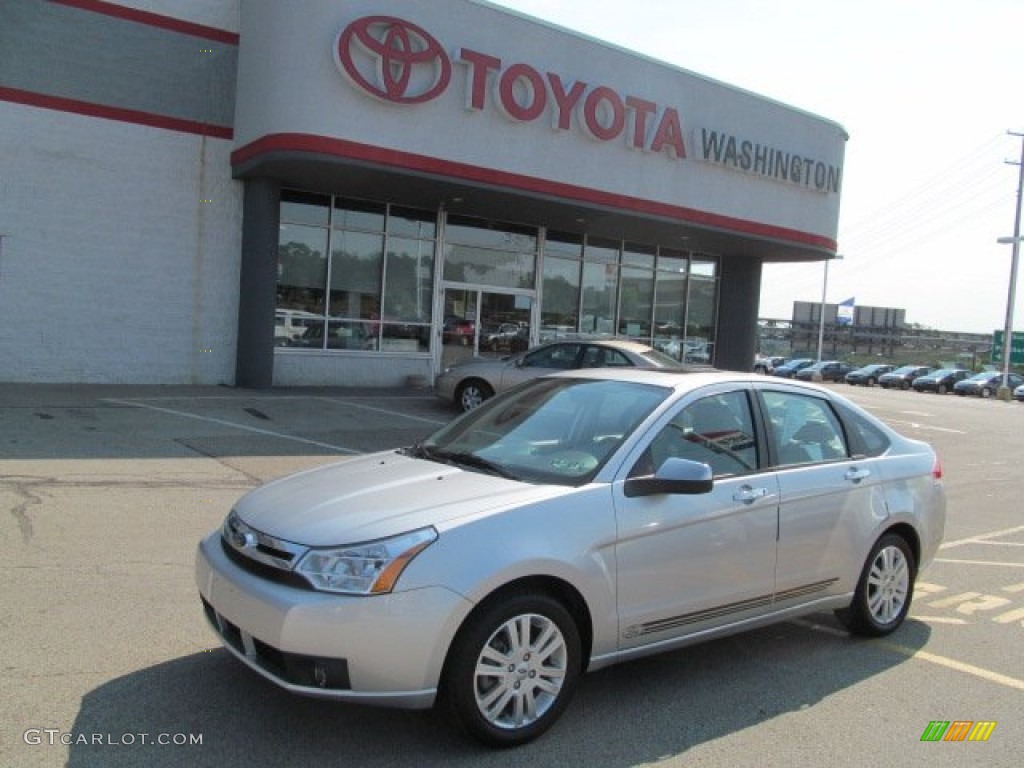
[[636, 292], [353, 275], [481, 252], [701, 310], [560, 300], [600, 286]]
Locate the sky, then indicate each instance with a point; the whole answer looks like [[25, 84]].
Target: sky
[[928, 90]]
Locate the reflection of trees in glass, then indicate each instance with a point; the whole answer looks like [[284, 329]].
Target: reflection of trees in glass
[[408, 292], [561, 302], [700, 313], [636, 300], [301, 266]]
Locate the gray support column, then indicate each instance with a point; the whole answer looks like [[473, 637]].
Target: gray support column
[[739, 301], [254, 364]]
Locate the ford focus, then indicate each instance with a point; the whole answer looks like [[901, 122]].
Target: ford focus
[[573, 522]]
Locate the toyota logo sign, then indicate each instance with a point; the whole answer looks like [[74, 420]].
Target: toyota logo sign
[[393, 60]]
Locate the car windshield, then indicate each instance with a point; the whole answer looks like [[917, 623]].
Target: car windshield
[[983, 376], [940, 373], [905, 369], [548, 430]]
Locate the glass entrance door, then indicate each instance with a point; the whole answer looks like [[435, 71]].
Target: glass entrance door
[[484, 324]]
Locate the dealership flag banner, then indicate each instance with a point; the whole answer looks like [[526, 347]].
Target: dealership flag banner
[[844, 312]]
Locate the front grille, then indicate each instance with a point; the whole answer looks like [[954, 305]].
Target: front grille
[[294, 668], [264, 571]]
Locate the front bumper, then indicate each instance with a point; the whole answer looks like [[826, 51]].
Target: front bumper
[[386, 650]]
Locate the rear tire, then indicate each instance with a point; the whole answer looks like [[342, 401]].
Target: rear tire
[[886, 586], [512, 670], [472, 393], [941, 389]]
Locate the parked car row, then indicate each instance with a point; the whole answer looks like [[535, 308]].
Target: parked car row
[[920, 378]]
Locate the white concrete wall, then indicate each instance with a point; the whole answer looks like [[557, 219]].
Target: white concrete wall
[[310, 368], [114, 269]]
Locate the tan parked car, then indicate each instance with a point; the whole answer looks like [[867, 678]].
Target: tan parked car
[[470, 382]]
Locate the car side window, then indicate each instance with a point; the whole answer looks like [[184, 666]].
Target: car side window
[[558, 356], [717, 430], [603, 357], [803, 429], [865, 435]]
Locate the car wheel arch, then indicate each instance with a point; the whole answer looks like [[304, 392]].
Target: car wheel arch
[[550, 586], [906, 532], [867, 614]]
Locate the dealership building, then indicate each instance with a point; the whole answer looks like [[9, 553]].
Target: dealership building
[[360, 192]]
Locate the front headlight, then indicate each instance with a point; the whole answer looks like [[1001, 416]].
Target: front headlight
[[364, 569]]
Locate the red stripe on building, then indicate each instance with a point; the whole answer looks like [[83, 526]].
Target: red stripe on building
[[138, 117], [153, 20]]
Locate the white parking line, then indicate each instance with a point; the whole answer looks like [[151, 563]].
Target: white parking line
[[980, 562], [234, 425], [926, 427], [350, 404], [982, 537]]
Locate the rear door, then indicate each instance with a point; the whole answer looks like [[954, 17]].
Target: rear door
[[831, 496]]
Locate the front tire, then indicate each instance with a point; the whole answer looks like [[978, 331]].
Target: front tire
[[512, 670], [941, 389], [886, 586]]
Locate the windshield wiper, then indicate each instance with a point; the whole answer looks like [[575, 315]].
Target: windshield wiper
[[466, 459], [457, 458]]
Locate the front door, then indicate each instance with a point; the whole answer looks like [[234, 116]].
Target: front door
[[687, 563], [483, 324]]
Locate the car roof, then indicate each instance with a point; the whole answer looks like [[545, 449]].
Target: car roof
[[625, 344], [685, 379]]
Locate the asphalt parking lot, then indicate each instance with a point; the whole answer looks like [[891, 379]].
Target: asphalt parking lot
[[108, 660]]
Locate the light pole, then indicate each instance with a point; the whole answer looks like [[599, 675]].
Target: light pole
[[824, 293], [1004, 389]]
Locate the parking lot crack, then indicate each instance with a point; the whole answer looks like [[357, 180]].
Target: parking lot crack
[[23, 489]]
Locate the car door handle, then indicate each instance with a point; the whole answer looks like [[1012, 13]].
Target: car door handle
[[747, 494], [855, 475]]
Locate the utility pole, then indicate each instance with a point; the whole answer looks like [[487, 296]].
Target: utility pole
[[1004, 390]]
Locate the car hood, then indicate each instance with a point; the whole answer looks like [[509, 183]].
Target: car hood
[[375, 496]]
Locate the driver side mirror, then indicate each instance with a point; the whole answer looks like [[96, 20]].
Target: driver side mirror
[[674, 476]]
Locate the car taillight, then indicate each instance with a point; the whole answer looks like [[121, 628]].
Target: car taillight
[[937, 469]]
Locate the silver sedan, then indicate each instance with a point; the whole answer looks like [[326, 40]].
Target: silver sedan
[[471, 382], [580, 520]]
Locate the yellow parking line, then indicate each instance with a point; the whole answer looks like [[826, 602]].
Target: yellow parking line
[[931, 658], [959, 666]]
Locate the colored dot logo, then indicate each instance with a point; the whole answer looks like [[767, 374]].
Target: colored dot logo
[[393, 60]]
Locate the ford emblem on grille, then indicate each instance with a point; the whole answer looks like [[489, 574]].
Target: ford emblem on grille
[[243, 539]]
